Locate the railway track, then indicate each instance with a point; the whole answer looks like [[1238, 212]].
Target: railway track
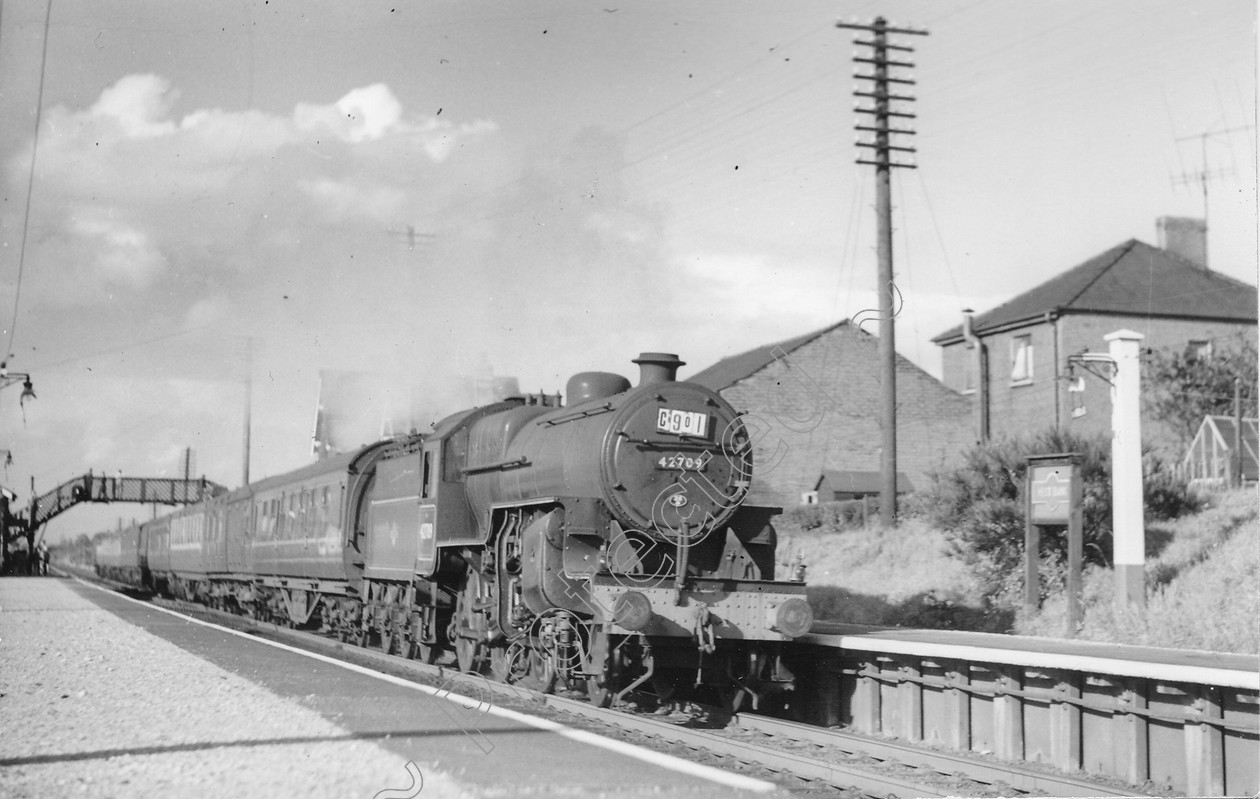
[[803, 759]]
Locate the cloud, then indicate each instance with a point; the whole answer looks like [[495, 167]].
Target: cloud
[[365, 114], [130, 194], [206, 311], [373, 113], [123, 254], [441, 138], [128, 145], [352, 199], [139, 105]]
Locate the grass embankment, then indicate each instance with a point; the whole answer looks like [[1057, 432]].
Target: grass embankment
[[1202, 586], [1202, 579], [901, 576]]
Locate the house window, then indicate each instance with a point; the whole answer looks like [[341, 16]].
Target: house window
[[1199, 350], [1021, 359], [969, 369]]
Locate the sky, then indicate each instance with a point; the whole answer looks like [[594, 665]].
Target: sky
[[225, 199]]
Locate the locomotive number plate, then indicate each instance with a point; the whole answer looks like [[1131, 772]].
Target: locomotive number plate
[[687, 423], [685, 463]]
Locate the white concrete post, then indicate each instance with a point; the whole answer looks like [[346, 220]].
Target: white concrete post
[[1128, 526]]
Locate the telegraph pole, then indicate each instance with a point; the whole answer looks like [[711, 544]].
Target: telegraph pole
[[880, 98]]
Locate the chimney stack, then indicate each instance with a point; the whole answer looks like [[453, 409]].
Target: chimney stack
[[1185, 237], [657, 367]]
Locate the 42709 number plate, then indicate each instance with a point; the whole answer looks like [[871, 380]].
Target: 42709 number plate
[[682, 462], [688, 423]]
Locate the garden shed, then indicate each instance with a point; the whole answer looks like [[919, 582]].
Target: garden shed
[[1210, 459]]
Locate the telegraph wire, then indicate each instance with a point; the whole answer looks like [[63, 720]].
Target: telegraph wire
[[936, 227], [773, 51], [30, 180], [913, 318], [121, 348]]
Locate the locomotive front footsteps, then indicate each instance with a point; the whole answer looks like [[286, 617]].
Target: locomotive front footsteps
[[604, 545]]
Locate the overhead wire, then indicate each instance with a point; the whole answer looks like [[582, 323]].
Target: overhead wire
[[908, 260], [498, 188], [940, 239], [114, 350], [30, 181]]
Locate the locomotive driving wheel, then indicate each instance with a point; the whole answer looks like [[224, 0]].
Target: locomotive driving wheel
[[414, 646], [470, 626], [425, 653], [602, 667], [525, 665], [390, 637]]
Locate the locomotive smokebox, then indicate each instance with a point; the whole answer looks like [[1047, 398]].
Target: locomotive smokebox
[[585, 386], [657, 367]]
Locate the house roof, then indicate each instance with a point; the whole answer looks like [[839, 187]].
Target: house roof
[[1132, 278], [858, 482], [729, 371]]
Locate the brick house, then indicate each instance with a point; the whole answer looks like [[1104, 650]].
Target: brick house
[[1022, 372], [813, 405]]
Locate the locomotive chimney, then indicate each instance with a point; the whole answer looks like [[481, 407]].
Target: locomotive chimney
[[657, 367]]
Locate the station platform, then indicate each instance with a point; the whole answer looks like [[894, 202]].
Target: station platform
[[107, 696]]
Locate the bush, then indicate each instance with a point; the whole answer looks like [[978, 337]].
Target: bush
[[1164, 495], [980, 506], [846, 515]]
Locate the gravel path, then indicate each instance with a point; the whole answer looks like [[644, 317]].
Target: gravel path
[[91, 705]]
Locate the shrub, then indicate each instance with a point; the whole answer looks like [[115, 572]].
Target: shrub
[[830, 515], [1164, 495], [1180, 387], [980, 506]]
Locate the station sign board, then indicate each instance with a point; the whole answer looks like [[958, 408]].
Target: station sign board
[[1050, 493]]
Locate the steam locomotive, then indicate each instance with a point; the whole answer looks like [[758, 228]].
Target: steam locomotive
[[604, 545]]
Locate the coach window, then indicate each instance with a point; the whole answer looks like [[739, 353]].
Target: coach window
[[426, 474]]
